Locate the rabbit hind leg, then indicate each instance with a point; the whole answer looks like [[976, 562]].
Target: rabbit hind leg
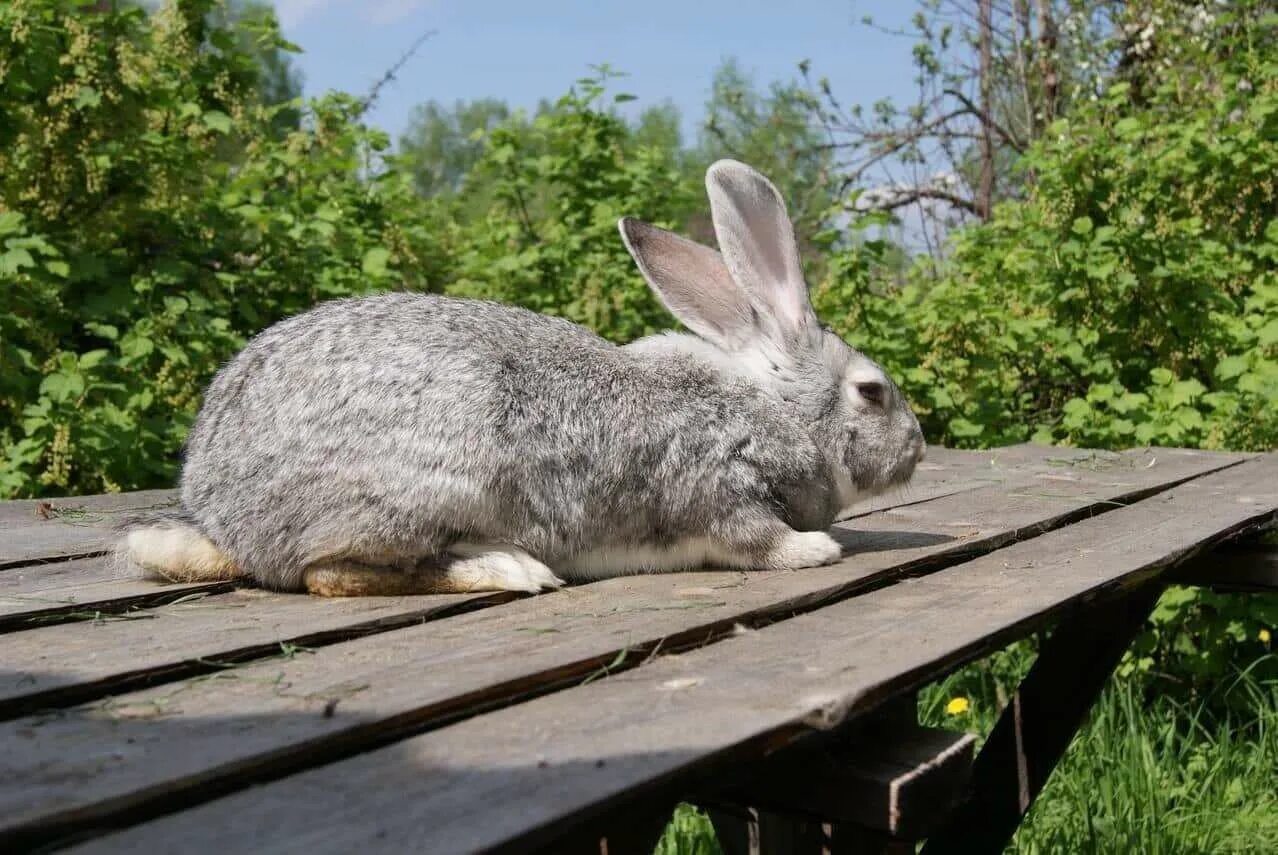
[[467, 568]]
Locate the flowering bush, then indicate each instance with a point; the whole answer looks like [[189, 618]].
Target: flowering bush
[[152, 215]]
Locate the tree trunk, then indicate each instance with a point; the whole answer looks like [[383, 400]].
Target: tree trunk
[[985, 194], [1047, 60]]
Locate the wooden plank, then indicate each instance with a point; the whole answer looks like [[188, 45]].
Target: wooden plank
[[947, 471], [58, 665], [36, 594], [33, 594], [518, 777], [1037, 726], [215, 733], [1244, 567], [899, 779], [34, 530]]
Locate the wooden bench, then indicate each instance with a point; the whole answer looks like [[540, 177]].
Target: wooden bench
[[168, 718]]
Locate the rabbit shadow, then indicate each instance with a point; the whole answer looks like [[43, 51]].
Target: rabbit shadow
[[858, 540]]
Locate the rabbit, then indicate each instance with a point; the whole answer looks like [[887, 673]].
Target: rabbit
[[415, 443]]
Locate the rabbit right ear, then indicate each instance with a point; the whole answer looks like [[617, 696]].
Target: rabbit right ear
[[693, 283], [758, 245]]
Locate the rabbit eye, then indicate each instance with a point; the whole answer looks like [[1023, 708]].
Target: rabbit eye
[[874, 393]]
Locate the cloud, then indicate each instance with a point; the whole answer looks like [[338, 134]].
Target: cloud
[[293, 12]]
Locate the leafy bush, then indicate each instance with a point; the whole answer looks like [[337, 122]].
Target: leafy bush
[[548, 239], [1131, 298], [153, 213]]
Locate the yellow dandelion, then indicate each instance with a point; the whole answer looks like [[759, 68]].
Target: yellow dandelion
[[958, 706], [1263, 635]]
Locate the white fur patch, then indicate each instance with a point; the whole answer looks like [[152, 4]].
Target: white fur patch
[[800, 549], [499, 567], [177, 554]]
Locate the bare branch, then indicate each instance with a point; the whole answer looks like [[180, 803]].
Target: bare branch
[[916, 194], [988, 120], [376, 90]]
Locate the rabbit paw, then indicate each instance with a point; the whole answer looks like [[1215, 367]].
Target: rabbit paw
[[499, 567], [803, 549]]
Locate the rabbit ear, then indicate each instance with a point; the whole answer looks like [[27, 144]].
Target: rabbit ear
[[758, 245], [692, 281]]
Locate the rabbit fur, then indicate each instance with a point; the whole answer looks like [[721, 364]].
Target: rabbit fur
[[412, 443]]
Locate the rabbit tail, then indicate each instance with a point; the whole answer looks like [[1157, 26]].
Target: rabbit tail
[[169, 546]]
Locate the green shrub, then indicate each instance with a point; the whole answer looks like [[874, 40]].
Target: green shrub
[[557, 185], [153, 214], [1131, 298]]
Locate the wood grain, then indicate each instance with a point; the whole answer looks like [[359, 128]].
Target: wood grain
[[36, 594], [518, 777], [33, 530], [268, 718], [59, 665]]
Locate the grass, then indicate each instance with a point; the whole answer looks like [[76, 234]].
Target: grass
[[1149, 773]]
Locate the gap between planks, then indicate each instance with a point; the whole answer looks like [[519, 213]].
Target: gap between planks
[[514, 779], [500, 654]]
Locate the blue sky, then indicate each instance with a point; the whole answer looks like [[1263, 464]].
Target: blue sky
[[525, 51]]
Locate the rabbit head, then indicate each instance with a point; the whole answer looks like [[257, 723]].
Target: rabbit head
[[749, 310]]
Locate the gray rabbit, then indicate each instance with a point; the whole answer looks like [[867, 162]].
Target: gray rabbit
[[412, 443]]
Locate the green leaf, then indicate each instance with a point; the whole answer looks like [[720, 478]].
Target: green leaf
[[1127, 127], [62, 387], [14, 260], [87, 96], [1231, 366], [11, 221], [375, 261], [218, 121], [106, 331], [92, 358], [136, 347], [1082, 226]]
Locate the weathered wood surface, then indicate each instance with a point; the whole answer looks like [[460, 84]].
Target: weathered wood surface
[[72, 662], [35, 594], [264, 719], [896, 779], [56, 529], [540, 766]]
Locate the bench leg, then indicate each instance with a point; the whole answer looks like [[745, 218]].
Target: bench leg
[[1037, 726]]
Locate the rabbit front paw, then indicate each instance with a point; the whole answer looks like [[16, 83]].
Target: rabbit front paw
[[799, 549]]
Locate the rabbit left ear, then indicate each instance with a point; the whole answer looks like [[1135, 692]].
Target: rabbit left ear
[[758, 245], [692, 282]]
